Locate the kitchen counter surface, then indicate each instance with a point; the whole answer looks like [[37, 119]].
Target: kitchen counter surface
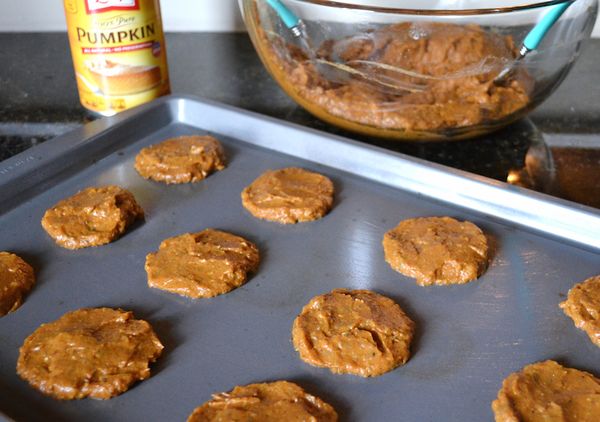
[[39, 100]]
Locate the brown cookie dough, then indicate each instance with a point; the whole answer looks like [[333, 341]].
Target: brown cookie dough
[[458, 64], [353, 332], [268, 402], [92, 217], [289, 196], [437, 250], [204, 264], [16, 280], [583, 306], [181, 160], [95, 353], [547, 391]]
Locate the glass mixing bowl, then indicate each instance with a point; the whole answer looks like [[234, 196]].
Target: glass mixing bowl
[[385, 69]]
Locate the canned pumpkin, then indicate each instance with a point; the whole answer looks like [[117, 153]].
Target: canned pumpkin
[[118, 51]]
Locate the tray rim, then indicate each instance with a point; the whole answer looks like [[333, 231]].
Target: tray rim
[[543, 214], [177, 113]]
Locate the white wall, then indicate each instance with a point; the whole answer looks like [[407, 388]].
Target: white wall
[[178, 15]]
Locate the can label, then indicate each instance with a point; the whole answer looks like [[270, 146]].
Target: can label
[[118, 51]]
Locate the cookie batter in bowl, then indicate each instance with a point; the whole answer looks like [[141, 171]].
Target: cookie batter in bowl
[[455, 65]]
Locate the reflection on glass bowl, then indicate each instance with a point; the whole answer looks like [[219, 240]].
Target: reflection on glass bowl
[[424, 74]]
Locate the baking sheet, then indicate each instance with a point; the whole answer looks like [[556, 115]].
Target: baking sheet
[[468, 337]]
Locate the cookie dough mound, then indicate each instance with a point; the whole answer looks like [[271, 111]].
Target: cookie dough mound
[[354, 332], [204, 264], [583, 306], [92, 217], [547, 391], [437, 250], [181, 160], [16, 280], [95, 353], [268, 402], [289, 196]]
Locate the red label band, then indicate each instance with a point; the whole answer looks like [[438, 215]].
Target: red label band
[[100, 6], [117, 49]]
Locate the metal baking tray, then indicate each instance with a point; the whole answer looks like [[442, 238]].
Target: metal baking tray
[[469, 338]]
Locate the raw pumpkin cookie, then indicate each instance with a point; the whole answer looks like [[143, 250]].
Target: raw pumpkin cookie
[[290, 195], [16, 280], [181, 160], [96, 353], [92, 217], [583, 306], [354, 332], [268, 402], [204, 264], [547, 391], [437, 250]]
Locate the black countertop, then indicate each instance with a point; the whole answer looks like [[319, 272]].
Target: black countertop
[[39, 100]]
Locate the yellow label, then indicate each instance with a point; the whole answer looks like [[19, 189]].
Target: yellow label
[[118, 51]]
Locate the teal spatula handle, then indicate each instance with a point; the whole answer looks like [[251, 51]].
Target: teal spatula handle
[[537, 34], [290, 20]]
